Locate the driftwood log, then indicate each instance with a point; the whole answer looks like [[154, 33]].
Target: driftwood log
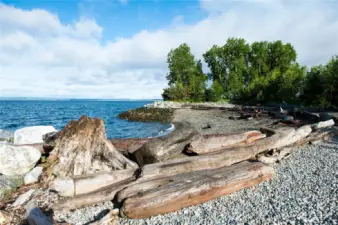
[[218, 142], [191, 188], [280, 138], [82, 184], [167, 147], [82, 148]]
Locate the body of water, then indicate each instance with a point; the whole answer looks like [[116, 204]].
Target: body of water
[[17, 114]]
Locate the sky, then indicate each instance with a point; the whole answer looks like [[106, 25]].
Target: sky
[[113, 49]]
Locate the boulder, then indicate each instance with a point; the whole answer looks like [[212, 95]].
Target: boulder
[[17, 160], [6, 136], [167, 147], [23, 198], [9, 184], [31, 135], [33, 175]]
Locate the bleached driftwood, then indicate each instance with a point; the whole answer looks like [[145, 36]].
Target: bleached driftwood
[[313, 138], [215, 160], [218, 142], [323, 124], [82, 184], [282, 137], [168, 146], [192, 188], [98, 196], [82, 148]]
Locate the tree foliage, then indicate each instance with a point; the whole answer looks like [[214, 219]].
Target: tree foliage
[[257, 72]]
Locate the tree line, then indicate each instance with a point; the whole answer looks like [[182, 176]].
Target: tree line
[[260, 72]]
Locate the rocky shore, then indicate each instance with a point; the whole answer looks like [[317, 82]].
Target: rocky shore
[[302, 190]]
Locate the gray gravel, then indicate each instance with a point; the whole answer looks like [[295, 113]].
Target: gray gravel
[[303, 191]]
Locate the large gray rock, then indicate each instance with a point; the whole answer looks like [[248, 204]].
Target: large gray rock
[[31, 135], [17, 160], [6, 136], [9, 184], [33, 175]]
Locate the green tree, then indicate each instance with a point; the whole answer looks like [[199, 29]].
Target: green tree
[[186, 79]]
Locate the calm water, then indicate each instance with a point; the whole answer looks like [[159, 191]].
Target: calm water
[[18, 114]]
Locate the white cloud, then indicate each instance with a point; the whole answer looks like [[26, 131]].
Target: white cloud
[[40, 56]]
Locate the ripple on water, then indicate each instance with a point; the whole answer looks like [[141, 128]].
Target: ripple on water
[[18, 114]]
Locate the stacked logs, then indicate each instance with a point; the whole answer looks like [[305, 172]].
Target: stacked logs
[[168, 179]]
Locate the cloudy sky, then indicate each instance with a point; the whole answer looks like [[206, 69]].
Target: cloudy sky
[[118, 48]]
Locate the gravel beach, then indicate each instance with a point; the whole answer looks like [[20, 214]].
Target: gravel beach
[[303, 191]]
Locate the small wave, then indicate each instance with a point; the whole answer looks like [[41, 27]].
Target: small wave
[[166, 131]]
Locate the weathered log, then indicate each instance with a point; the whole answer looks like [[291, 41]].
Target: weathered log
[[168, 146], [98, 196], [82, 184], [322, 124], [282, 137], [110, 219], [313, 138], [82, 148], [194, 188], [216, 143]]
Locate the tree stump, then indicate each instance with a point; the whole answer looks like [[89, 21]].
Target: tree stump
[[82, 148]]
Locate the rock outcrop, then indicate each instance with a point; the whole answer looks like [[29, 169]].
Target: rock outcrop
[[31, 135], [82, 148], [17, 160], [148, 115]]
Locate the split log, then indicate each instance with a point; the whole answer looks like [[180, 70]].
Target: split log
[[282, 137], [82, 148], [98, 196], [194, 188], [82, 184], [168, 146], [216, 143]]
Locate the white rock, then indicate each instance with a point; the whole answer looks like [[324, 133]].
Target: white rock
[[6, 135], [33, 175], [23, 198], [17, 160], [31, 135]]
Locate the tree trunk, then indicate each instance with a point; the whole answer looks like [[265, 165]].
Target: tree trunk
[[82, 148], [324, 124], [193, 188], [168, 146], [219, 142]]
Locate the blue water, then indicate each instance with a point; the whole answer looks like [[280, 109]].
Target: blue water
[[17, 114]]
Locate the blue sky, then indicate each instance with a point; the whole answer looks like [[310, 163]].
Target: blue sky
[[120, 18], [118, 48]]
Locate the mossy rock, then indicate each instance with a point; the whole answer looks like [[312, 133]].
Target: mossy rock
[[148, 115], [8, 184]]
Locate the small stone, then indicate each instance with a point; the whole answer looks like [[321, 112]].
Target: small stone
[[23, 198], [4, 217], [33, 175]]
